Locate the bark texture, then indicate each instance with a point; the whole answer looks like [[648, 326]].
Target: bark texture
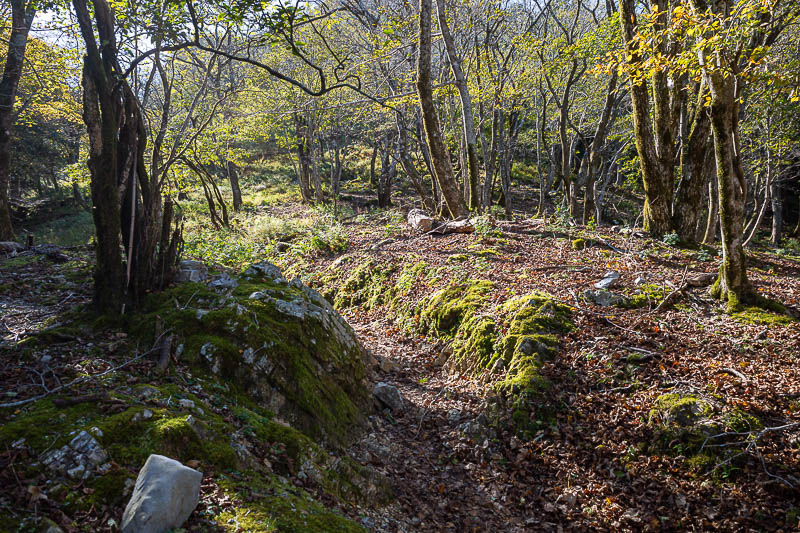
[[440, 158], [21, 20]]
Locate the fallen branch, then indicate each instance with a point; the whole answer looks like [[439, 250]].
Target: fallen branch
[[83, 379], [68, 402], [732, 372], [750, 439]]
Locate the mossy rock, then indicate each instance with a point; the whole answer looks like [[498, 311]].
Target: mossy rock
[[681, 410], [272, 505], [168, 429], [474, 344], [367, 286], [445, 310], [646, 295], [280, 343], [740, 421], [579, 244]]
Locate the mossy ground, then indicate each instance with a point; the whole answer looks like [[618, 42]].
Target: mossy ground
[[515, 338], [152, 421]]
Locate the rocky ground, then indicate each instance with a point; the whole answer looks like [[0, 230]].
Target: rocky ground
[[659, 412]]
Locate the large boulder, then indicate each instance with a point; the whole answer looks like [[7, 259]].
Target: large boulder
[[279, 342], [165, 494]]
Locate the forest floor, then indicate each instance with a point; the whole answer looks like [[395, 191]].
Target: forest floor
[[590, 470], [595, 465]]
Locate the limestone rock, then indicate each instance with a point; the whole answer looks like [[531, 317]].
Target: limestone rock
[[8, 247], [223, 281], [284, 345], [265, 269], [604, 298], [420, 221], [389, 396], [165, 494], [681, 410], [194, 271], [78, 459], [608, 281]]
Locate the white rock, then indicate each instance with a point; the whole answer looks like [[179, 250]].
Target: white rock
[[165, 494], [420, 221], [608, 281], [186, 404]]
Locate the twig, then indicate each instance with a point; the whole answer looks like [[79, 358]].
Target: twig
[[752, 446], [82, 379], [732, 372], [682, 286]]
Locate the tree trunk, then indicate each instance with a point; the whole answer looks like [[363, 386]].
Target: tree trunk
[[732, 285], [777, 213], [443, 169], [655, 148], [408, 162], [233, 177], [689, 199], [127, 202], [712, 223], [388, 173], [21, 20], [303, 157], [594, 153], [467, 115], [373, 182], [752, 228]]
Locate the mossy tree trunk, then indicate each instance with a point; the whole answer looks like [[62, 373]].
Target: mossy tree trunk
[[655, 139], [127, 202], [467, 115], [689, 200], [22, 15], [732, 285], [440, 158]]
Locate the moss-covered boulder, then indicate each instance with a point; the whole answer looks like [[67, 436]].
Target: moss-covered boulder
[[681, 410], [279, 342], [445, 310]]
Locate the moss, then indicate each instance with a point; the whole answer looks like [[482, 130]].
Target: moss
[[535, 320], [487, 252], [757, 315], [646, 295], [272, 505], [108, 489], [702, 463], [367, 286], [42, 425], [739, 420], [473, 346], [20, 261], [444, 311], [579, 244], [682, 410], [290, 364], [793, 517], [457, 258]]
